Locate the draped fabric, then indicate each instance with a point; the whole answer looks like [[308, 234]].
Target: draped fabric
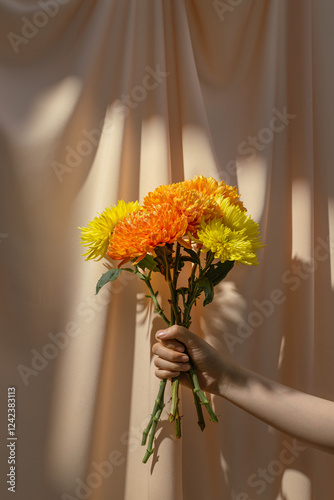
[[104, 100]]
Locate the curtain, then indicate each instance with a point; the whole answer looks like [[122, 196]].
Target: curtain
[[104, 100]]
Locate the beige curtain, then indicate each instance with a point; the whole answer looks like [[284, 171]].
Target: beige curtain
[[107, 99]]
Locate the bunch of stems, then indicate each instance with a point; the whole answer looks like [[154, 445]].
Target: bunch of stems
[[180, 316]]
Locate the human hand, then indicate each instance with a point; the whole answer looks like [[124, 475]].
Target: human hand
[[172, 360]]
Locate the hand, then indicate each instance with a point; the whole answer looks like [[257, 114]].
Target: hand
[[172, 360], [307, 417]]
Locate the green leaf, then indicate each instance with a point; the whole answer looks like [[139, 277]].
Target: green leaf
[[217, 272], [205, 285], [148, 262], [194, 257], [110, 275]]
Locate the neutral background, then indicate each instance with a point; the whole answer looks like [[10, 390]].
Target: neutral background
[[107, 99]]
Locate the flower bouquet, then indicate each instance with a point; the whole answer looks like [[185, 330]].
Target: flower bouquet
[[198, 227]]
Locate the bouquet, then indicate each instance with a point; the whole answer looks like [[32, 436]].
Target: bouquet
[[198, 227]]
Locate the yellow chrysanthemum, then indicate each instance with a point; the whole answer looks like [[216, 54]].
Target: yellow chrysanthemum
[[233, 236], [193, 204], [98, 231], [143, 231], [211, 187], [236, 218]]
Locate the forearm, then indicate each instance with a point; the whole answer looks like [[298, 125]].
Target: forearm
[[304, 416]]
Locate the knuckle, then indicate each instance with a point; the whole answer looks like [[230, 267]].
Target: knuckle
[[176, 356], [156, 362], [158, 374]]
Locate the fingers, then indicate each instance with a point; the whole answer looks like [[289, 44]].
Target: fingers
[[165, 369], [162, 374], [175, 345], [162, 364], [176, 336], [168, 353], [169, 363], [165, 354]]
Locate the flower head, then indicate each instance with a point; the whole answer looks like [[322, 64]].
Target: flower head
[[191, 203], [98, 231], [232, 236], [144, 230], [211, 187]]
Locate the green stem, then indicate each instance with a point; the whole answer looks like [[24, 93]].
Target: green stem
[[173, 305], [158, 308], [175, 398], [187, 309], [193, 288], [175, 311], [167, 267], [174, 415], [209, 259], [176, 264], [177, 424], [152, 425], [201, 396], [201, 421], [193, 274]]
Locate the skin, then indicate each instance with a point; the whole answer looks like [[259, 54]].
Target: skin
[[304, 416]]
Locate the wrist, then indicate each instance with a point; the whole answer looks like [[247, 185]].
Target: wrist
[[231, 376]]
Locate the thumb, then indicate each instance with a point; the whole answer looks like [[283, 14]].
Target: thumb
[[175, 332]]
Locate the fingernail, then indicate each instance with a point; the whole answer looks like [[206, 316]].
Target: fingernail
[[179, 348], [161, 335], [184, 358]]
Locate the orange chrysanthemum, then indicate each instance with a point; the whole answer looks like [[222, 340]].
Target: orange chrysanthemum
[[206, 185], [193, 204], [211, 187], [146, 229]]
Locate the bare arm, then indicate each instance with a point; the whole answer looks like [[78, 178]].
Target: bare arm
[[306, 417]]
